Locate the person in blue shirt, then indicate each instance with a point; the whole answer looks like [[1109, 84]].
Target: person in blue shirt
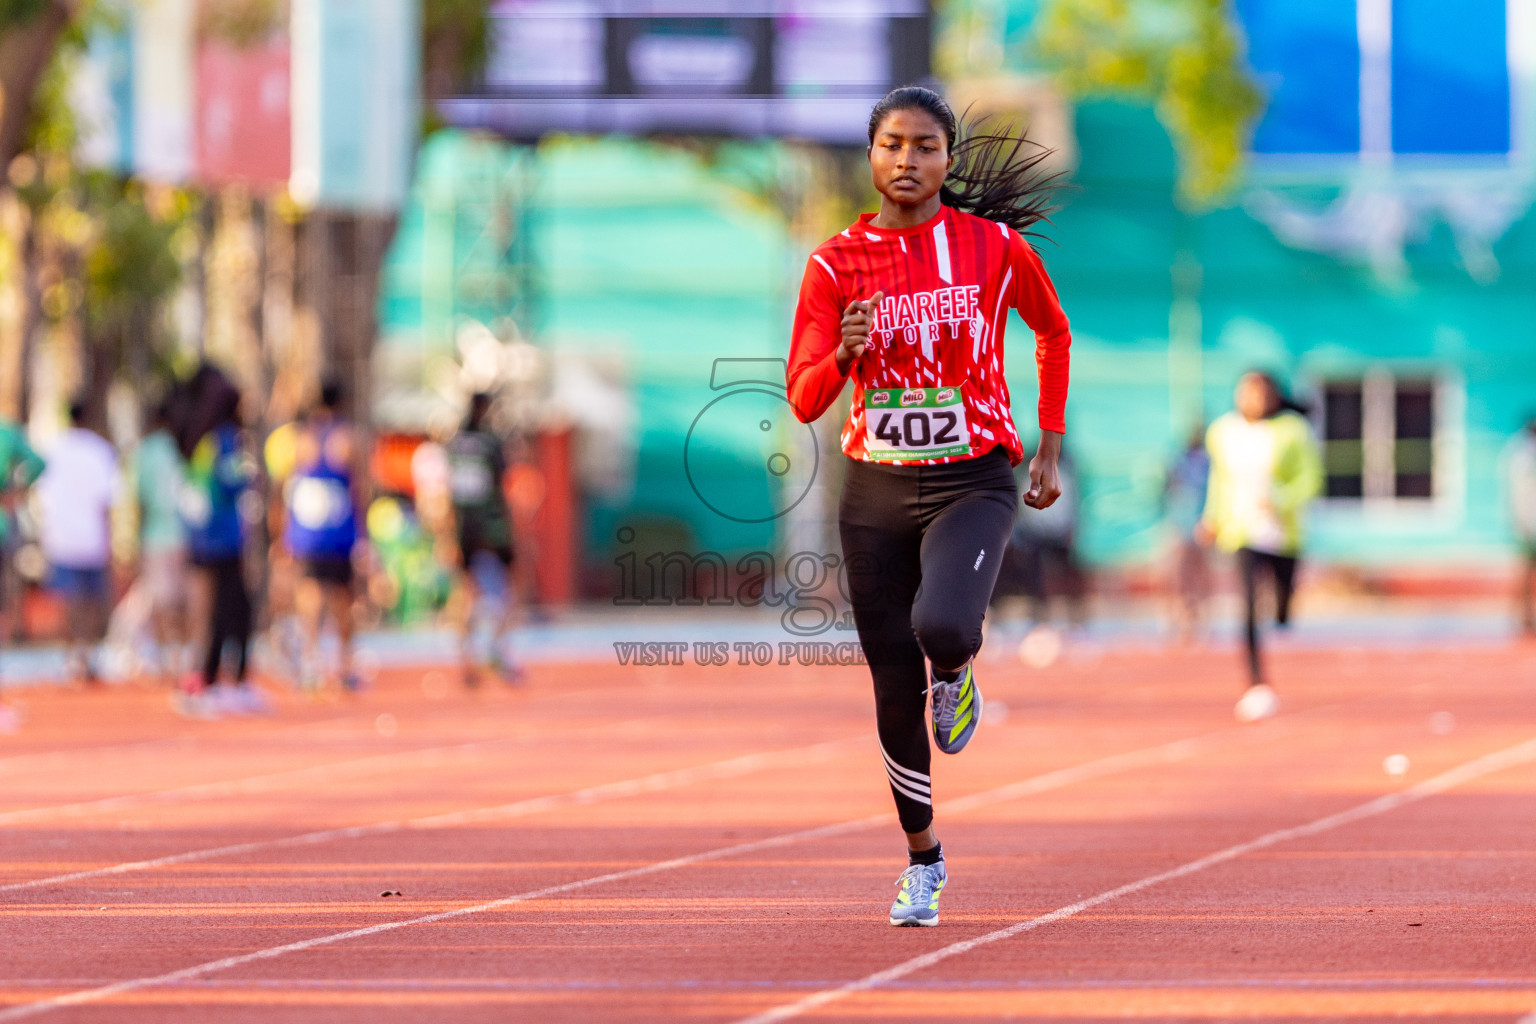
[[219, 471], [320, 530]]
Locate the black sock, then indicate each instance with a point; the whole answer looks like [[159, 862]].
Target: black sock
[[930, 857], [947, 677]]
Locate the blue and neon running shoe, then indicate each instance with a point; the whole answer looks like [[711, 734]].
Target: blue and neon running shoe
[[917, 905], [956, 710]]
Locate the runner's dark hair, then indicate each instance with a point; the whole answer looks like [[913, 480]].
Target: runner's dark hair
[[211, 401], [479, 405], [995, 175]]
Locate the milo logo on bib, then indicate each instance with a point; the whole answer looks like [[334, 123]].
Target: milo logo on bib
[[879, 398], [945, 396], [914, 396]]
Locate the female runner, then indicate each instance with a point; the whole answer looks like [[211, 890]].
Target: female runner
[[912, 303], [1265, 469]]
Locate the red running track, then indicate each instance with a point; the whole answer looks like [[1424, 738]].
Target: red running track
[[671, 844]]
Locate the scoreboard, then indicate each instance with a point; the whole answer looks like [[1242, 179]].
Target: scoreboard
[[800, 68]]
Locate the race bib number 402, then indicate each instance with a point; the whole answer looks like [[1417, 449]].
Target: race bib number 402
[[908, 424]]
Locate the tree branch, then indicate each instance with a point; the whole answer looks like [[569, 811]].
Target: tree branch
[[25, 51]]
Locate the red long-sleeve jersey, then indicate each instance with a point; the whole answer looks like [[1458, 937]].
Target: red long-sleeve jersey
[[948, 285]]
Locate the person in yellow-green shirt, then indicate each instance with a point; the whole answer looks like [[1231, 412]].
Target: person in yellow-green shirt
[[1265, 470]]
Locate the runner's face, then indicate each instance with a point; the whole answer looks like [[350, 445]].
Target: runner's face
[[1252, 398], [909, 157]]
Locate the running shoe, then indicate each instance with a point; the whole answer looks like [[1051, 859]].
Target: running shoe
[[192, 699], [242, 699], [1258, 702], [956, 710], [917, 904], [507, 669]]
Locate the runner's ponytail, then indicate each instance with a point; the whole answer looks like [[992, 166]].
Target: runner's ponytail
[[995, 175]]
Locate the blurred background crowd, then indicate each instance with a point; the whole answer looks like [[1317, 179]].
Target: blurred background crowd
[[228, 226]]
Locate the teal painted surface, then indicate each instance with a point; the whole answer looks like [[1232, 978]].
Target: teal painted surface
[[646, 252], [1264, 305], [455, 253]]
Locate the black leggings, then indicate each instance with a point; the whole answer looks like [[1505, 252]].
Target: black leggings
[[230, 617], [1281, 569], [922, 546]]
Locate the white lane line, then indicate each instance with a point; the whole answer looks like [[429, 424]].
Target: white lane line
[[1165, 753], [275, 780], [654, 783], [1498, 761], [535, 805]]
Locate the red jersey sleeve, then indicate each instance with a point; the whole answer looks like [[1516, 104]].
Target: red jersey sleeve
[[1035, 298], [813, 379]]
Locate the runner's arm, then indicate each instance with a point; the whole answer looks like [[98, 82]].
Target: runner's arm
[[1035, 298], [814, 380], [1301, 471]]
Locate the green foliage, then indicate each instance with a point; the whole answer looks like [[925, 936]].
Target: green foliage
[[18, 12], [465, 23], [1186, 56], [131, 263], [242, 23], [455, 42], [52, 130]]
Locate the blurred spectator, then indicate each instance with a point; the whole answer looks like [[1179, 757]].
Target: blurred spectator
[[157, 601], [477, 472], [1265, 470], [285, 633], [75, 494], [1041, 560], [20, 467], [1520, 471], [320, 532], [1183, 504], [218, 472], [434, 497], [412, 582]]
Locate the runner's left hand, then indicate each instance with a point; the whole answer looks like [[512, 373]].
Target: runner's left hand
[[1045, 472]]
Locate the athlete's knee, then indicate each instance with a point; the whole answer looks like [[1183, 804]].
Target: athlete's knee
[[946, 638]]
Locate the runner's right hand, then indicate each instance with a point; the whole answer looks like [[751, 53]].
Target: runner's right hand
[[858, 318]]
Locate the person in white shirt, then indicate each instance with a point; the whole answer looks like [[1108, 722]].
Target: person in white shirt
[[75, 496], [1520, 475]]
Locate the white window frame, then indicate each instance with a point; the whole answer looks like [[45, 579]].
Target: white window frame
[[1448, 472]]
